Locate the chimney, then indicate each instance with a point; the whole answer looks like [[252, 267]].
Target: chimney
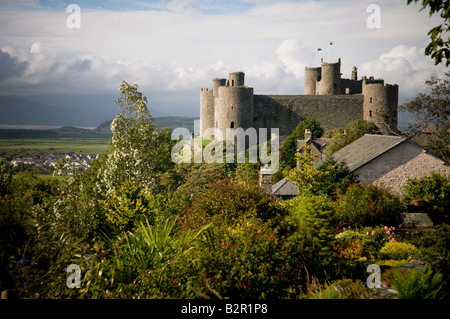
[[308, 135], [355, 74], [265, 179]]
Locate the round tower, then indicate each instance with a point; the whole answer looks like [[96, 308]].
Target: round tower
[[216, 83], [236, 79], [206, 110], [330, 82], [312, 76], [380, 104], [236, 107]]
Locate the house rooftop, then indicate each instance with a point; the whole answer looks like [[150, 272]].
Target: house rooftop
[[366, 149], [285, 188], [319, 143]]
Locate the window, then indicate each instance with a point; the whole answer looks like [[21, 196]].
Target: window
[[232, 82], [232, 125], [370, 113], [370, 100]]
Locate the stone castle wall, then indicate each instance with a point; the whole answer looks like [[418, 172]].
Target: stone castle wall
[[286, 111]]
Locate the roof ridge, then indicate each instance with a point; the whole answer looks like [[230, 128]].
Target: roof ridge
[[382, 135]]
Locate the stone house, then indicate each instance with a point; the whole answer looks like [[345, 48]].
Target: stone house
[[286, 188], [387, 161]]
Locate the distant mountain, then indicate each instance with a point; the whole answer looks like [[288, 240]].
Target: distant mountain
[[160, 122], [60, 109]]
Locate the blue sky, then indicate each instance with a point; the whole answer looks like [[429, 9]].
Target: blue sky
[[171, 49]]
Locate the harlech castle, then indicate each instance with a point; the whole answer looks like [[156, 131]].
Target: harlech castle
[[329, 98]]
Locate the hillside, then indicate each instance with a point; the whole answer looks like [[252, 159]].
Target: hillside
[[58, 109], [160, 122]]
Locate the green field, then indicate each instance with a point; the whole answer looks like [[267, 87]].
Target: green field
[[27, 142], [11, 148]]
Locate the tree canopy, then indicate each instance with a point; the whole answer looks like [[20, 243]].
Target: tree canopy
[[439, 47], [431, 111]]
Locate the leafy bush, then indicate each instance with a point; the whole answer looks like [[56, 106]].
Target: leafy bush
[[434, 187], [397, 250], [129, 206], [362, 244], [416, 284], [368, 206], [132, 265], [247, 260], [351, 289], [309, 217], [436, 243], [338, 177], [6, 175], [339, 289], [226, 202]]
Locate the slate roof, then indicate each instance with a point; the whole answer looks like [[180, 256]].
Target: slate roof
[[319, 143], [284, 187], [366, 149]]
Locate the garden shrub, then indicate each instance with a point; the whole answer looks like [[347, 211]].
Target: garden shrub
[[339, 289], [434, 187], [351, 289], [309, 217], [246, 260], [436, 243], [397, 251], [417, 284], [368, 206], [129, 206], [132, 265], [338, 177], [226, 202]]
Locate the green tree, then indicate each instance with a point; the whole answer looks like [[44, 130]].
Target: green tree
[[432, 115], [133, 146], [353, 131], [307, 177], [338, 177], [311, 216], [289, 147], [439, 47], [6, 174], [129, 206]]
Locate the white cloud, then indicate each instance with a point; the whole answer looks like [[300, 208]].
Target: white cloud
[[406, 66], [36, 48], [293, 54]]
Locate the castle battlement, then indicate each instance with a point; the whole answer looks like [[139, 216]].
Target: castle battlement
[[329, 98]]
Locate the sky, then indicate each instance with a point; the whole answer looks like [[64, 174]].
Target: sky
[[171, 49]]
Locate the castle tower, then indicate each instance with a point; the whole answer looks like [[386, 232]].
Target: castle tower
[[380, 104], [312, 76], [236, 79], [217, 83], [206, 110], [330, 82], [235, 104]]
